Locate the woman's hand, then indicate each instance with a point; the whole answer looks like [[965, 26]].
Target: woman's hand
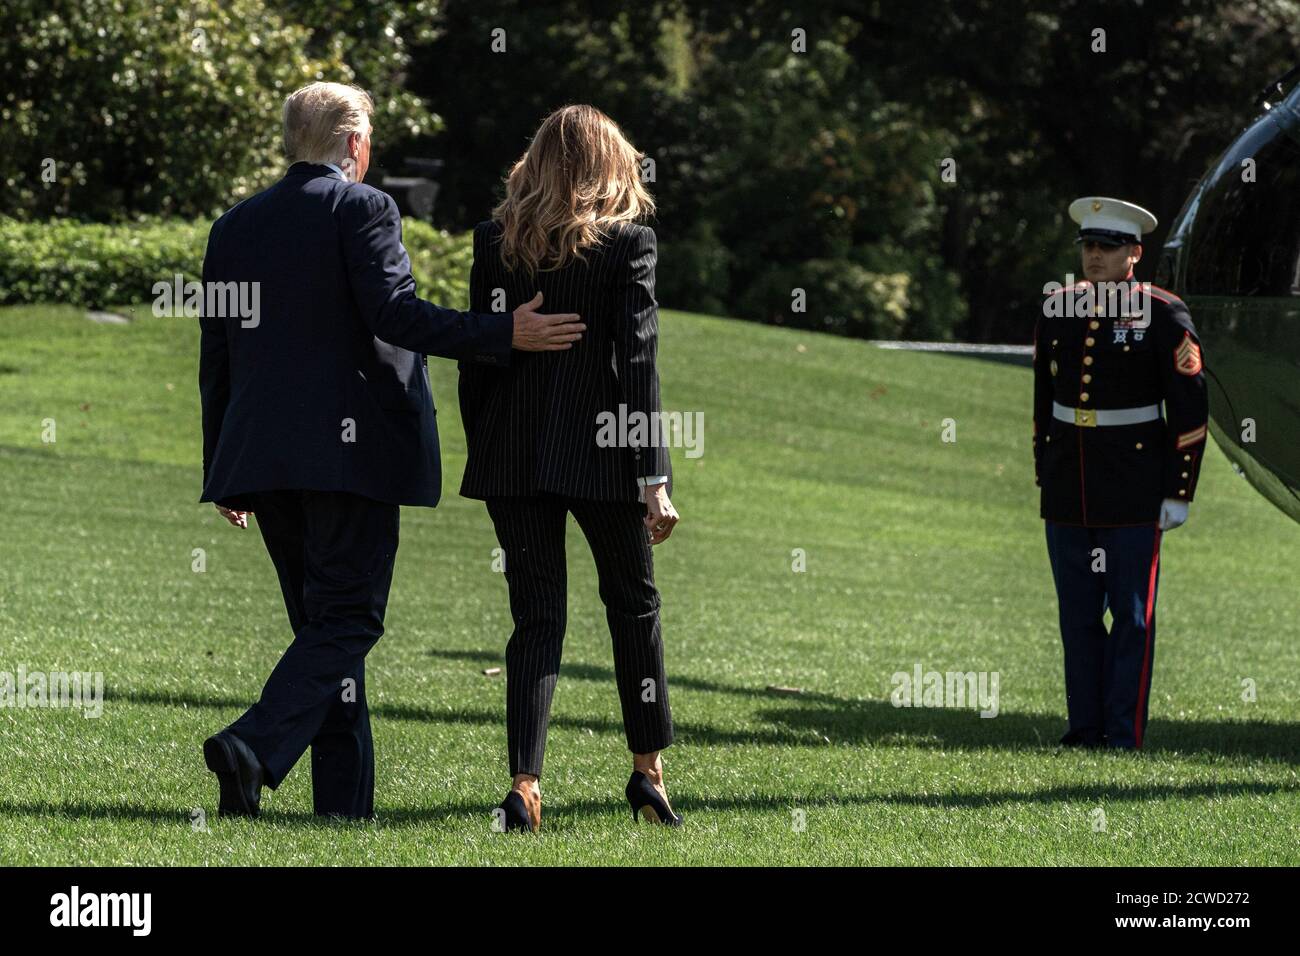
[[660, 515], [238, 518]]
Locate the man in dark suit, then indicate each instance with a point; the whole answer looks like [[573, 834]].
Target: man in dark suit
[[318, 419]]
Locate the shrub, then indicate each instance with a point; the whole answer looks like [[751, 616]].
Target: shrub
[[114, 108], [97, 265]]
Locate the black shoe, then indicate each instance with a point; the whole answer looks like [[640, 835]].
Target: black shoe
[[645, 800], [239, 773], [1089, 740], [516, 814]]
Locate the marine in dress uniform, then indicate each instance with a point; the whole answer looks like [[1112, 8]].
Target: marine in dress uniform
[[1115, 472]]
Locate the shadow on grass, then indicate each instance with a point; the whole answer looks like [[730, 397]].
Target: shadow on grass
[[818, 720], [593, 672], [1086, 794]]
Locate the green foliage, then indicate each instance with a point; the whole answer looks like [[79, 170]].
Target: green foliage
[[97, 265], [776, 168], [568, 51], [1037, 113], [694, 267], [140, 107], [373, 39], [839, 296], [440, 262], [812, 180]]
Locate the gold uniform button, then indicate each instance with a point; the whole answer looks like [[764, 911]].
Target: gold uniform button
[[1184, 474], [1126, 348], [1054, 341], [1090, 341], [1083, 397], [1138, 446], [1094, 324], [1086, 378], [1087, 360], [1187, 458], [1182, 491]]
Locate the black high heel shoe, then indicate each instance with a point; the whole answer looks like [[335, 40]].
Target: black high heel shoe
[[645, 800], [516, 814]]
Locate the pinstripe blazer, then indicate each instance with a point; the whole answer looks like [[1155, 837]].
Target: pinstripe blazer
[[532, 427]]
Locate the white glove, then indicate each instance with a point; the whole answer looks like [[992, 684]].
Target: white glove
[[1172, 513]]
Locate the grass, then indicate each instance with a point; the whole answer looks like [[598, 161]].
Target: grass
[[917, 551]]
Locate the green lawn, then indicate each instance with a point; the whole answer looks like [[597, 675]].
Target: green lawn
[[917, 551]]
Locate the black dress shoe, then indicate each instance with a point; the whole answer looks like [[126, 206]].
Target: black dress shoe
[[516, 814], [239, 773], [1086, 739], [645, 800]]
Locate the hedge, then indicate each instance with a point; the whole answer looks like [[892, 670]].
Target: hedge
[[97, 265]]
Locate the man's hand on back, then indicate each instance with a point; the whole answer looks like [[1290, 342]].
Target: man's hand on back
[[535, 332]]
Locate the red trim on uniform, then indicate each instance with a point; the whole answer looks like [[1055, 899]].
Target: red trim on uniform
[[1169, 301], [1083, 494], [1146, 656]]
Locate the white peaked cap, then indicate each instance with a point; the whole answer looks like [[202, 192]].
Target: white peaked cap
[[1101, 215]]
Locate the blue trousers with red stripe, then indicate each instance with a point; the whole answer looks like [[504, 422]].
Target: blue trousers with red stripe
[[1107, 674]]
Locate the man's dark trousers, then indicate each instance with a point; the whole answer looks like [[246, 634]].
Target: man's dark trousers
[[334, 554], [1107, 675]]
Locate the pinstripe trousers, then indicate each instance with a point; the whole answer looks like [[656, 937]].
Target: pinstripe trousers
[[531, 533]]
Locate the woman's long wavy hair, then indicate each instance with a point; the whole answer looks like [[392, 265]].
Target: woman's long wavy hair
[[578, 177]]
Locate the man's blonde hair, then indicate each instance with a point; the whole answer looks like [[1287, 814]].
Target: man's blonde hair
[[318, 119]]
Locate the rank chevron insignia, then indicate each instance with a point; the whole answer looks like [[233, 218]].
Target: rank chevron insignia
[[1187, 357]]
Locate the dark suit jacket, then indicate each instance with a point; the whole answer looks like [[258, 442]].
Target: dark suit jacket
[[336, 352], [532, 427]]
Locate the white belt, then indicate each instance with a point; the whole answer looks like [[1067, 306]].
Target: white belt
[[1091, 417]]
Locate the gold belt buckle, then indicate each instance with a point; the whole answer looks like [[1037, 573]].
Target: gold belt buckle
[[1085, 418]]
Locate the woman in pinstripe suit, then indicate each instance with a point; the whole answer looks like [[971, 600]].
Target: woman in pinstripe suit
[[568, 226]]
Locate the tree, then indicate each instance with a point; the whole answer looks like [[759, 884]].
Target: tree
[[116, 108], [1048, 100]]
